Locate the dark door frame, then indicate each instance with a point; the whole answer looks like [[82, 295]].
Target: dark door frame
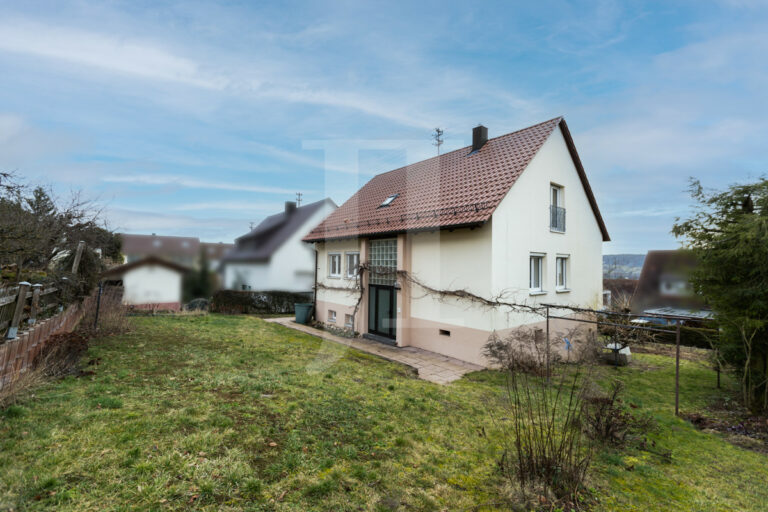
[[373, 298]]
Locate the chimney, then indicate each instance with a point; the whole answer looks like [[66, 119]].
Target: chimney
[[290, 207], [479, 137]]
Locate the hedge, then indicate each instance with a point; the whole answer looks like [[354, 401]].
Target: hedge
[[232, 302]]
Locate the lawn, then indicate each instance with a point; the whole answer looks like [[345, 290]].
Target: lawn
[[234, 413]]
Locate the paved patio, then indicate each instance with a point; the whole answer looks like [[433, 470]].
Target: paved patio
[[433, 367]]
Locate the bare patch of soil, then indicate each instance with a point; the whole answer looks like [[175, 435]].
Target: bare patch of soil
[[738, 426]]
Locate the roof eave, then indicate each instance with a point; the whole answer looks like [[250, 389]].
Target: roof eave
[[583, 177], [378, 234]]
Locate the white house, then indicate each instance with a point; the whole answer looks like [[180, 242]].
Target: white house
[[149, 283], [511, 217], [272, 256]]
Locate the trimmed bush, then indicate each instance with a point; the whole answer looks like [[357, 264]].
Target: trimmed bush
[[232, 302]]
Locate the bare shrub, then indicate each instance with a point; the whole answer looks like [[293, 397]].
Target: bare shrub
[[60, 356], [21, 387], [608, 419], [546, 453], [524, 349]]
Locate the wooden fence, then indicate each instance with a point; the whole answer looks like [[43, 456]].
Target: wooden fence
[[18, 356], [23, 305], [29, 316]]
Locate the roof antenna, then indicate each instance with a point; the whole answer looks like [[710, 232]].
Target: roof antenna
[[438, 136], [298, 198], [250, 225]]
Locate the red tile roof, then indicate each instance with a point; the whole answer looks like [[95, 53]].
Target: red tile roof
[[451, 190]]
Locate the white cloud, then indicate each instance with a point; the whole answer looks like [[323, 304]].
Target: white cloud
[[235, 206], [158, 179], [22, 144], [207, 229], [102, 51]]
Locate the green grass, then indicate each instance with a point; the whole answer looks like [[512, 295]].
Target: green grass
[[233, 413]]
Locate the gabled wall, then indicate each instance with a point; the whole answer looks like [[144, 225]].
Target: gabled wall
[[521, 226], [291, 267], [152, 284], [493, 261]]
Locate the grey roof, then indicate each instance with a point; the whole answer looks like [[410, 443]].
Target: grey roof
[[693, 314], [262, 241]]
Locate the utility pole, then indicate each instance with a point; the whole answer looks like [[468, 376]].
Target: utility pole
[[298, 198], [438, 136]]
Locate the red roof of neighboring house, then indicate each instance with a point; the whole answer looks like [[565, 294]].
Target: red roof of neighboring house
[[456, 189], [150, 260], [672, 266]]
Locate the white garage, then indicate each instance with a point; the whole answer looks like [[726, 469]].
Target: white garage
[[151, 283]]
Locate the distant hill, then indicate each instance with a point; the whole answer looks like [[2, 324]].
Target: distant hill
[[622, 266]]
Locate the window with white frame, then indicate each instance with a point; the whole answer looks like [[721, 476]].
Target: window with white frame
[[348, 321], [537, 273], [557, 195], [353, 262], [561, 272], [334, 265], [331, 316]]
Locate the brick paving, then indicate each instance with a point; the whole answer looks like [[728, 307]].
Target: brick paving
[[431, 366]]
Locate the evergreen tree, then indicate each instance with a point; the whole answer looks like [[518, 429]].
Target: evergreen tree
[[728, 232]]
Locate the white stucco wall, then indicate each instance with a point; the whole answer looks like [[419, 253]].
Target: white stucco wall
[[291, 267], [451, 260], [346, 297], [521, 226], [151, 284]]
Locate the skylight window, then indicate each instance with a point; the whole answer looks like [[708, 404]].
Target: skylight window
[[388, 201]]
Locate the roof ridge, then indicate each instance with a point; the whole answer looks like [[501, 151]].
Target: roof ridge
[[558, 118]]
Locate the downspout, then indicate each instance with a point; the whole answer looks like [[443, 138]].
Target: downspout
[[314, 288]]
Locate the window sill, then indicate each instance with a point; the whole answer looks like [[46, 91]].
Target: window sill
[[540, 292], [552, 230], [563, 290], [334, 277]]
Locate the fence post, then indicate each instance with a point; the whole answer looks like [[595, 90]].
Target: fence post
[[36, 288], [98, 305], [78, 256], [677, 369], [19, 311]]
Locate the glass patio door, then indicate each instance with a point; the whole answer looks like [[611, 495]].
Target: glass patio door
[[382, 295]]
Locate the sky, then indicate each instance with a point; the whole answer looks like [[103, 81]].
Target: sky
[[197, 118]]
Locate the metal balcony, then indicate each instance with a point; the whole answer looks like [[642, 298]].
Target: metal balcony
[[557, 219]]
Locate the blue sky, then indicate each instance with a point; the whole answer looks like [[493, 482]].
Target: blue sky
[[196, 118]]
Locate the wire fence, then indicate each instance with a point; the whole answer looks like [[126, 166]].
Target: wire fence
[[622, 330]]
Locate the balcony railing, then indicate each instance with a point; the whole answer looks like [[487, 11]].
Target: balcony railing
[[557, 219]]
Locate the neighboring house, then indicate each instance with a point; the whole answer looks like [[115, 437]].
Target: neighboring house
[[664, 286], [152, 282], [489, 219], [618, 292], [182, 250], [272, 256], [214, 252]]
